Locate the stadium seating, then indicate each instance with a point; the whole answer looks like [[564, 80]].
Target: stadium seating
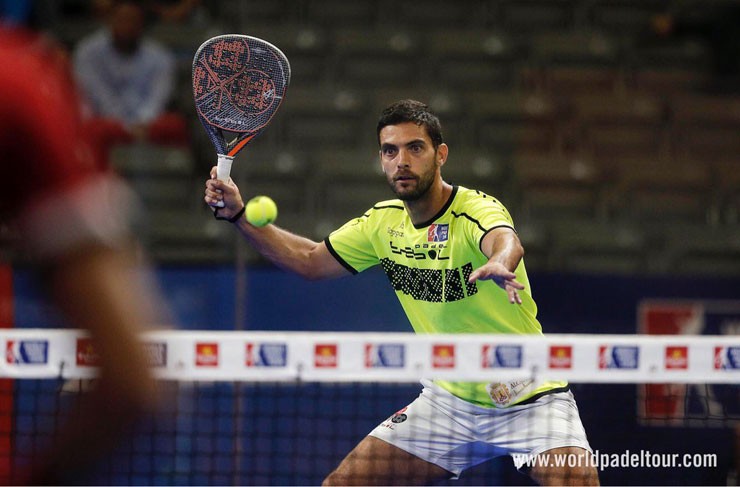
[[558, 107]]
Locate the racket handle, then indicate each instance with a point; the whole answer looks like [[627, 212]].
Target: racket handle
[[223, 171]]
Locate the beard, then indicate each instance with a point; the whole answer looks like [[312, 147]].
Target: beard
[[414, 191]]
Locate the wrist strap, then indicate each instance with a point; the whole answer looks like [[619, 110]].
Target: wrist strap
[[234, 218]]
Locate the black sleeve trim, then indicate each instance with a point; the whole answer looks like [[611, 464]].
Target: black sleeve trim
[[381, 207], [333, 252], [465, 215], [486, 232]]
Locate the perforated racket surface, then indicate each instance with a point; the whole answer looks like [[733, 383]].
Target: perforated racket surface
[[239, 82]]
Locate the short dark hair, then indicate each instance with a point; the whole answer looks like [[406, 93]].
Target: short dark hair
[[412, 111]]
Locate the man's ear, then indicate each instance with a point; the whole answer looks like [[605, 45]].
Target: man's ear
[[442, 152]]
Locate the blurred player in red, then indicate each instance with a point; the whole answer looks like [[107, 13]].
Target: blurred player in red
[[70, 215]]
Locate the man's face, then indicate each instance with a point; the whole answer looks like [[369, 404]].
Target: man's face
[[409, 160], [127, 27]]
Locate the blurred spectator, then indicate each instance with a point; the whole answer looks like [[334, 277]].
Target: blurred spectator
[[71, 214], [715, 25], [176, 11], [127, 80]]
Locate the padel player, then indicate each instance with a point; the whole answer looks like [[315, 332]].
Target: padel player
[[455, 262], [70, 218]]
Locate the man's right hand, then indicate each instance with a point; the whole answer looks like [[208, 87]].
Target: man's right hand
[[226, 191]]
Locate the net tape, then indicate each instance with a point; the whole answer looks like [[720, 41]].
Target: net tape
[[386, 357]]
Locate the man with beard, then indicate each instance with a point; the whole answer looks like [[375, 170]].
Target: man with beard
[[455, 262]]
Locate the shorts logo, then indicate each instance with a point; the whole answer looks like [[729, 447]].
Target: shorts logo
[[391, 355], [86, 355], [500, 394], [438, 232], [677, 358], [156, 354], [206, 354], [505, 356], [326, 355], [443, 356], [30, 352], [503, 394], [727, 358], [561, 356], [266, 355], [399, 417], [619, 357]]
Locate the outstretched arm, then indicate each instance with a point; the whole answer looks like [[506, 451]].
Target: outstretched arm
[[504, 252], [286, 250]]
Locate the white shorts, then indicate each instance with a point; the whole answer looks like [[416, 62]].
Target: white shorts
[[456, 435]]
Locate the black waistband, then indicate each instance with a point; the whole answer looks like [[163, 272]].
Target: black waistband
[[532, 399]]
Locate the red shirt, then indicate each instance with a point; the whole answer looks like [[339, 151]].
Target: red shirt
[[51, 178]]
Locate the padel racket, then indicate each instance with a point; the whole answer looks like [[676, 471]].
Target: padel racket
[[239, 83]]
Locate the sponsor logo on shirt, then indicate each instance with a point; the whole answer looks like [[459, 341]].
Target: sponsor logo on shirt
[[206, 354], [727, 358], [561, 356], [438, 232], [266, 355], [326, 355], [27, 352], [443, 356], [390, 355], [677, 357], [506, 356], [619, 357], [422, 251], [430, 285]]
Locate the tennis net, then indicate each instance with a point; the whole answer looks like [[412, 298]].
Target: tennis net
[[259, 408]]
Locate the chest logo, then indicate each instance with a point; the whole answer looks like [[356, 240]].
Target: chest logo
[[438, 232]]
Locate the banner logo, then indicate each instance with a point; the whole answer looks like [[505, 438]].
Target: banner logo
[[156, 354], [28, 352], [206, 354], [86, 355], [505, 356], [443, 356], [677, 358], [390, 355], [326, 355], [619, 357], [727, 358], [561, 357], [266, 355]]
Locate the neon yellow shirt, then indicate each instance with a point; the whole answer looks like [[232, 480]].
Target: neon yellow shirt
[[428, 265]]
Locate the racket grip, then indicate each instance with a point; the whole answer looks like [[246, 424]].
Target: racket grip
[[223, 171]]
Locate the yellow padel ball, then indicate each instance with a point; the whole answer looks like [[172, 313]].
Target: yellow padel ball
[[261, 210]]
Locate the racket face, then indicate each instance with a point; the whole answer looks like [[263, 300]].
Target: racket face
[[239, 83]]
